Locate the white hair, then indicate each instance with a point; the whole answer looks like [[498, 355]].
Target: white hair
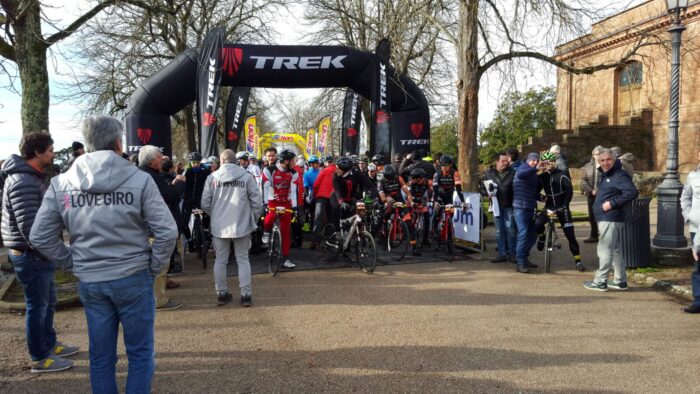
[[556, 149], [101, 132], [147, 154], [597, 150]]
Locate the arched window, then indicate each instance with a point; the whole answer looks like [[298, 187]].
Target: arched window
[[628, 88]]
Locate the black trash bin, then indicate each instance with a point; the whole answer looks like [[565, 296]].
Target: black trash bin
[[636, 239]]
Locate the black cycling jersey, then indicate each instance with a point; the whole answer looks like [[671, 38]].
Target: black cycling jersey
[[391, 188], [419, 190]]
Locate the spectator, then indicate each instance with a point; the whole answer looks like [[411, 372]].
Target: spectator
[[109, 208], [169, 172], [626, 159], [232, 199], [561, 163], [501, 178], [590, 181], [690, 204], [150, 162], [616, 189], [195, 176], [78, 149], [514, 156], [23, 190], [525, 189]]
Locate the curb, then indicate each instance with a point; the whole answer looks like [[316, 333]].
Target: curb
[[21, 307], [646, 280]]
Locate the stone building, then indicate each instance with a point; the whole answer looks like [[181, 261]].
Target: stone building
[[628, 105]]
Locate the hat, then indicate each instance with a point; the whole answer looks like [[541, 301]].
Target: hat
[[77, 145], [532, 156]]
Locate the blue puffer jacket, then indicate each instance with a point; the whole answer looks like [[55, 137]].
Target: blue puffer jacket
[[615, 186], [525, 187], [22, 194]]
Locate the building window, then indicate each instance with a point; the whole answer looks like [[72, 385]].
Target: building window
[[631, 74], [628, 89]]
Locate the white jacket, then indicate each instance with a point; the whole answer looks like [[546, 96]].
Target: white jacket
[[232, 200], [690, 201]]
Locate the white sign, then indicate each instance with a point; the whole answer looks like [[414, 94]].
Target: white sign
[[468, 222]]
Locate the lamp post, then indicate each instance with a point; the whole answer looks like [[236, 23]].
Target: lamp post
[[669, 224]]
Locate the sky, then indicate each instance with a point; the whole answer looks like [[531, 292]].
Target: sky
[[64, 119]]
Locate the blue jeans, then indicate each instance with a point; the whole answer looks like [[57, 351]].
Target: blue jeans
[[505, 232], [128, 301], [37, 278], [525, 224], [695, 277]]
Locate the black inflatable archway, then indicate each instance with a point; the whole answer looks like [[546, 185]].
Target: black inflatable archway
[[174, 87]]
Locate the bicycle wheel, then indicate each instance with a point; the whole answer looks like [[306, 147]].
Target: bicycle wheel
[[330, 242], [365, 251], [397, 239], [198, 236], [274, 259], [548, 242], [450, 241]]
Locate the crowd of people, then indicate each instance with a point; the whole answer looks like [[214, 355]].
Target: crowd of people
[[122, 222]]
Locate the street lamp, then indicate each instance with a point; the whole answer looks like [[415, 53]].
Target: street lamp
[[669, 224]]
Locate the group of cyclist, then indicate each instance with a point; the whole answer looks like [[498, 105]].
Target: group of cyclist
[[329, 188]]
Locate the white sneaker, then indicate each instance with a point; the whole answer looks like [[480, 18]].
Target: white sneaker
[[266, 238], [288, 264]]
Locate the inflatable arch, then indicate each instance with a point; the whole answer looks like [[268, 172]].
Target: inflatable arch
[[174, 87], [268, 139]]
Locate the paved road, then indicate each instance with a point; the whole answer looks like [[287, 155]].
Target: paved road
[[470, 326]]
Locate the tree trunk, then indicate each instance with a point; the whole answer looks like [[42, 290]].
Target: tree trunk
[[468, 94], [190, 128], [31, 62]]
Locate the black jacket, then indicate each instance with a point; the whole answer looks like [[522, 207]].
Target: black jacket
[[23, 191], [615, 186], [504, 193], [172, 194], [194, 185], [557, 187]]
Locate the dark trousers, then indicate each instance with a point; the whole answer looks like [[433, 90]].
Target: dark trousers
[[695, 278], [323, 214], [591, 217], [567, 224]]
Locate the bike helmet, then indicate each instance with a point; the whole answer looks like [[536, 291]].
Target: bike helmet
[[372, 167], [242, 155], [363, 159], [212, 158], [354, 159], [446, 160], [328, 159], [286, 155], [194, 156], [379, 159], [344, 163], [313, 159], [389, 172], [548, 156], [417, 173]]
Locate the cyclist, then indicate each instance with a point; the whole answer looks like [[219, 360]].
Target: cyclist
[[346, 181], [421, 188], [309, 178], [243, 159], [558, 193], [392, 189], [446, 181], [280, 190], [195, 176], [322, 191], [362, 165]]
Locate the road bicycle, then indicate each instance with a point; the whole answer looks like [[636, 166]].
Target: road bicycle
[[274, 250], [201, 237], [445, 230], [352, 240], [396, 233], [550, 239], [417, 214]]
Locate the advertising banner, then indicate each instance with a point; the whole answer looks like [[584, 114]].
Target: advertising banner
[[251, 134], [410, 130], [310, 142], [208, 87], [380, 134], [468, 222], [324, 128], [147, 130], [236, 108], [352, 117]]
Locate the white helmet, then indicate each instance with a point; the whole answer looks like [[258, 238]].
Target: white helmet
[[242, 155]]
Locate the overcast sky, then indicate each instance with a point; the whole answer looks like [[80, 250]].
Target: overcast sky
[[64, 121]]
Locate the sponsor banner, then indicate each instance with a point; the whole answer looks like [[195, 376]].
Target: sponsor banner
[[269, 139], [148, 130], [251, 134], [324, 128], [467, 222], [380, 135], [410, 130], [208, 87], [352, 117], [310, 142], [236, 107]]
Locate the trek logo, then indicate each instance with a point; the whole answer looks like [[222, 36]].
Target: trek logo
[[208, 118], [81, 200], [382, 85], [417, 129], [415, 142], [237, 116], [144, 135], [232, 58], [299, 62], [352, 132], [232, 136], [382, 117]]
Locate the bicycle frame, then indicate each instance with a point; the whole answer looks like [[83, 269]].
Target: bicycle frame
[[356, 221]]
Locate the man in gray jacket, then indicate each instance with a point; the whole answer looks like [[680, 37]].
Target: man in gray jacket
[[233, 201], [110, 209], [690, 204]]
